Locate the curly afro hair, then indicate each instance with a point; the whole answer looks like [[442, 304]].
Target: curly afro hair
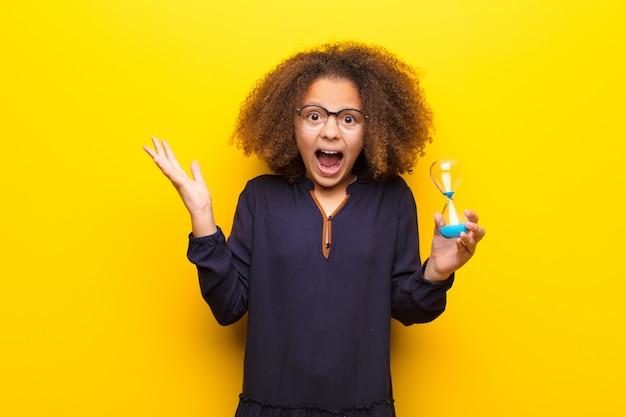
[[399, 124]]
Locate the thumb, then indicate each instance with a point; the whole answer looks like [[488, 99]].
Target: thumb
[[439, 220], [439, 223]]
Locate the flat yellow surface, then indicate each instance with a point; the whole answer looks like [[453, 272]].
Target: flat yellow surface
[[100, 313]]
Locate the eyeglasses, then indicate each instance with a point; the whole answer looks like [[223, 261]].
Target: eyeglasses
[[314, 117]]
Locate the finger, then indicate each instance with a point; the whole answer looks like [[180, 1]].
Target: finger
[[439, 220], [471, 216], [477, 231], [156, 158], [150, 152], [439, 223], [465, 243], [158, 147], [168, 151], [169, 154], [196, 172]]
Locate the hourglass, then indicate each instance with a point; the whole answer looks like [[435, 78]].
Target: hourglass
[[446, 174]]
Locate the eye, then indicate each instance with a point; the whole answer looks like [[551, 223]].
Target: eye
[[350, 119], [313, 116]]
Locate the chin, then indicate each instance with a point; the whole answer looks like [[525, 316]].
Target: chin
[[330, 182]]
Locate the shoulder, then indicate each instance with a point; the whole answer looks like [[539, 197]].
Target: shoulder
[[398, 183], [393, 194], [266, 181], [266, 187], [402, 190], [398, 186], [395, 186]]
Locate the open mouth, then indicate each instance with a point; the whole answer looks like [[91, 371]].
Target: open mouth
[[329, 162]]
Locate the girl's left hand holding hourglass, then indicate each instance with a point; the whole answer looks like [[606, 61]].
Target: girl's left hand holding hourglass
[[448, 255]]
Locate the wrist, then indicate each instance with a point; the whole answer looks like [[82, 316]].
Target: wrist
[[431, 273], [202, 223]]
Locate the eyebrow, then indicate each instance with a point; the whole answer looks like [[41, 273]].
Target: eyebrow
[[330, 113]]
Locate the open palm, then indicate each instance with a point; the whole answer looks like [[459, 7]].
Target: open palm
[[193, 190]]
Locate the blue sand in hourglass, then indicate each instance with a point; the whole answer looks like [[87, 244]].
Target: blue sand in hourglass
[[453, 230]]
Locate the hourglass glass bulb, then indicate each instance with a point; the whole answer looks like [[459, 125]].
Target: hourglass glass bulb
[[446, 174]]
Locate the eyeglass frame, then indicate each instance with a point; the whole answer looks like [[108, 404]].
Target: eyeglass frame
[[328, 114]]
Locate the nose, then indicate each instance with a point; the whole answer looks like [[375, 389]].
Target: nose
[[331, 128]]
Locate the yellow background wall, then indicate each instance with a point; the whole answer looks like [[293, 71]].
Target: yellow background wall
[[99, 309]]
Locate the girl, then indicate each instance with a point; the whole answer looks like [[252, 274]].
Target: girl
[[324, 252]]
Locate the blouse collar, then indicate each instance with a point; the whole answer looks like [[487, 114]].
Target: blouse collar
[[358, 182]]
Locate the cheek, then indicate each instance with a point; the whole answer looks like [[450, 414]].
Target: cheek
[[302, 146], [304, 139], [358, 145]]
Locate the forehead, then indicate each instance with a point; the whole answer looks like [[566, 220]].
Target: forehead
[[333, 93]]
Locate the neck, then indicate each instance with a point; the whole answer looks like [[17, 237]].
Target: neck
[[330, 198], [338, 189]]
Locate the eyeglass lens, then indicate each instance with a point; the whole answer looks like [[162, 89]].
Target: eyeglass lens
[[314, 118]]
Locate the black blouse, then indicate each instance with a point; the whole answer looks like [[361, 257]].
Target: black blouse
[[320, 292]]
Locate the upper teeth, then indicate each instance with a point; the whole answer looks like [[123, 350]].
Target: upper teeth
[[329, 152]]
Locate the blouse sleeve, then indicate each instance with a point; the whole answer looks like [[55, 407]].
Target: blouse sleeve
[[223, 269], [414, 299]]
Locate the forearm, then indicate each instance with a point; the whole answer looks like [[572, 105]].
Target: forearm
[[418, 300], [222, 287]]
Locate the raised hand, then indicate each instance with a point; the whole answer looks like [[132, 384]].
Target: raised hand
[[192, 190], [448, 255]]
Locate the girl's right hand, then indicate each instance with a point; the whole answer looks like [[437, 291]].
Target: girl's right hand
[[193, 191]]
